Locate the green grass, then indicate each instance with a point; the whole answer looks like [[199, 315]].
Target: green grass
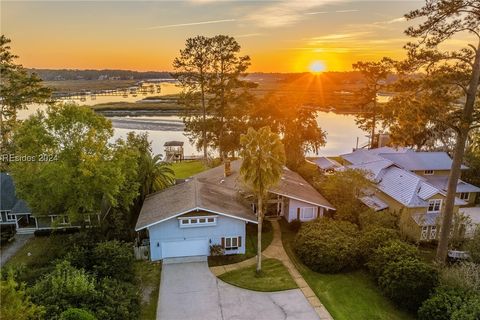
[[43, 251], [352, 295], [251, 246], [148, 279], [274, 277], [186, 169]]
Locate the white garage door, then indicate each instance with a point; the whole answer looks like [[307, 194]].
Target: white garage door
[[184, 248]]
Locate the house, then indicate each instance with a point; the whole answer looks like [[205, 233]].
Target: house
[[325, 164], [213, 208], [15, 211], [411, 183]]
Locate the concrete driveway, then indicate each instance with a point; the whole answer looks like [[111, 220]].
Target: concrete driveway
[[189, 291]]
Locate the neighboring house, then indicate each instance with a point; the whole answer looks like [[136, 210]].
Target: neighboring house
[[213, 207], [325, 164], [17, 212], [412, 183]]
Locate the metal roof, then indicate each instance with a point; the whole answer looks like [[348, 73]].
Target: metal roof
[[414, 161], [426, 219], [325, 163], [442, 181], [374, 202]]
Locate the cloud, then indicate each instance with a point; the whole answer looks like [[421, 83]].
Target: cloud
[[316, 12], [346, 11], [285, 13], [188, 24], [248, 35], [335, 37]]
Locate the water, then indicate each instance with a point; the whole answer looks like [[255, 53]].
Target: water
[[342, 131]]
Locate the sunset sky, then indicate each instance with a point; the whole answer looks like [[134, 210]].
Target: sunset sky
[[282, 36]]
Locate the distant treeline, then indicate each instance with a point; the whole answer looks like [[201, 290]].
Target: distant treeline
[[72, 74]]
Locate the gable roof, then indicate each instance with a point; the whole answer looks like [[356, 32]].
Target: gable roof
[[211, 191], [441, 182], [415, 161], [21, 207], [189, 196], [291, 185], [7, 192], [360, 156]]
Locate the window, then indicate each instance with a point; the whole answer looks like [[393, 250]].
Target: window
[[424, 234], [231, 243], [428, 172], [307, 213], [433, 232], [10, 216], [464, 195], [186, 222], [434, 205]]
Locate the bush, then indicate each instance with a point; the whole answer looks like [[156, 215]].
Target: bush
[[48, 232], [216, 250], [294, 225], [326, 245], [375, 237], [77, 314], [117, 300], [392, 251], [113, 259], [469, 310], [63, 288], [464, 276], [473, 246], [408, 282], [442, 304], [386, 219]]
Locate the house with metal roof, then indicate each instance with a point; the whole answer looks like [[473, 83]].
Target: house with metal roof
[[213, 208], [411, 183]]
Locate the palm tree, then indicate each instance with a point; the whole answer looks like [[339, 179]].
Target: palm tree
[[157, 174], [263, 160]]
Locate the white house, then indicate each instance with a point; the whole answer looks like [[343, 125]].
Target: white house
[[213, 207]]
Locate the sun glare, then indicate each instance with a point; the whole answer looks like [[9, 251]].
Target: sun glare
[[317, 66]]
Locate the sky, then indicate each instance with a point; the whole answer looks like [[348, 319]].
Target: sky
[[279, 36]]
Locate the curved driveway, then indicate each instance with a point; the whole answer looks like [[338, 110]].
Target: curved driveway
[[189, 291]]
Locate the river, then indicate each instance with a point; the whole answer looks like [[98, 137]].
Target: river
[[341, 129]]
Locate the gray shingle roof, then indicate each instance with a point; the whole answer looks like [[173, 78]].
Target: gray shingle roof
[[212, 191], [21, 207], [7, 192]]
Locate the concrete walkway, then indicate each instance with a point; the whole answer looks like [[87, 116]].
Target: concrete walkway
[[13, 247], [189, 291], [276, 251]]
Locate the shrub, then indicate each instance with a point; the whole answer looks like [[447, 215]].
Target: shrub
[[385, 219], [464, 276], [77, 314], [48, 232], [63, 288], [294, 225], [374, 237], [326, 245], [469, 310], [216, 250], [16, 303], [117, 300], [113, 259], [473, 246], [408, 282], [442, 304], [391, 251]]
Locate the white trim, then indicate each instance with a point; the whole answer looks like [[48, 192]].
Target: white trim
[[189, 224], [12, 214], [302, 213], [303, 200], [434, 201], [460, 196], [193, 209]]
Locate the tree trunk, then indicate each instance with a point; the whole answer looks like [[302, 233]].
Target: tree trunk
[[374, 120], [204, 131], [259, 234], [455, 171]]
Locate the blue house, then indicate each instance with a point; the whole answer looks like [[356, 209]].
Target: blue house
[[213, 208]]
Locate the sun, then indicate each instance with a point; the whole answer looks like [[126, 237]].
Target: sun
[[317, 66]]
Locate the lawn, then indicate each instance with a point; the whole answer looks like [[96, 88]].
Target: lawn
[[36, 256], [186, 169], [251, 246], [148, 278], [346, 296], [274, 277]]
